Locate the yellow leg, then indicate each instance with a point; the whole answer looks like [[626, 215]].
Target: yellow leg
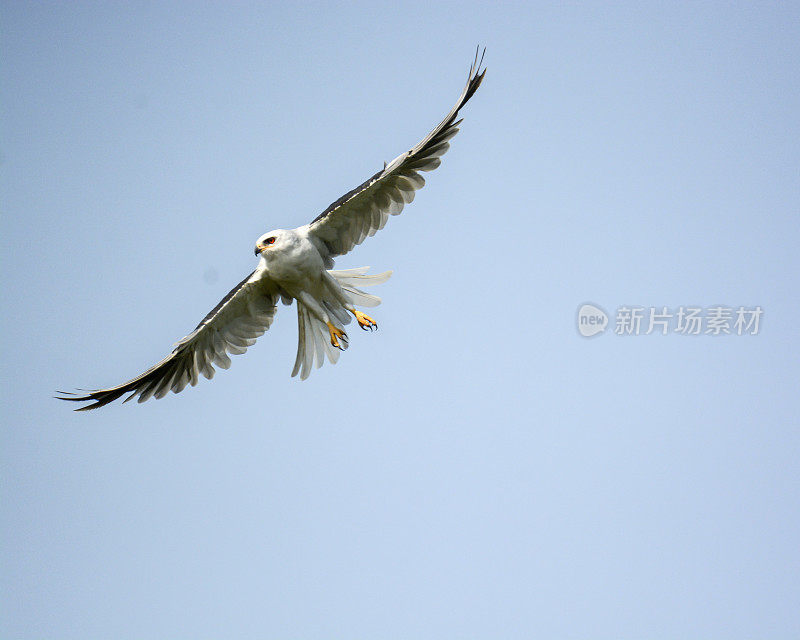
[[336, 333], [364, 321]]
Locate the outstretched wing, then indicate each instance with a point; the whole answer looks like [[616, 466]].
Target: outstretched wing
[[233, 325], [362, 211]]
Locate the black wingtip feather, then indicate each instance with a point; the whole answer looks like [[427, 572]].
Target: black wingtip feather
[[76, 397], [98, 398], [475, 76]]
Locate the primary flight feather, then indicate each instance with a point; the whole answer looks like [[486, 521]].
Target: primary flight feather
[[296, 264]]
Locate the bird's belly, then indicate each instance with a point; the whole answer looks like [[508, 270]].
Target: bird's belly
[[297, 269]]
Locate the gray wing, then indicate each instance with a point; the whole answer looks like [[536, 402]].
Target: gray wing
[[233, 325], [362, 211]]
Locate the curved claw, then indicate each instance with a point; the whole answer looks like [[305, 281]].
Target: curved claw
[[336, 335], [364, 321]]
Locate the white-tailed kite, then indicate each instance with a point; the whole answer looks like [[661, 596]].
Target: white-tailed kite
[[296, 265]]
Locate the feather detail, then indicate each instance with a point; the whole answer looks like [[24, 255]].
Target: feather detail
[[233, 325], [352, 218]]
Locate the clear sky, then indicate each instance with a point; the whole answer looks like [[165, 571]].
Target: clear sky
[[476, 468]]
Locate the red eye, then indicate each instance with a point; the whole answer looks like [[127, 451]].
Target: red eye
[[270, 240]]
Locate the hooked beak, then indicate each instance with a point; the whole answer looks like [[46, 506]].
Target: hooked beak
[[259, 249]]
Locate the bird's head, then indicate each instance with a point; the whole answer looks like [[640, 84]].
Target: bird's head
[[270, 241]]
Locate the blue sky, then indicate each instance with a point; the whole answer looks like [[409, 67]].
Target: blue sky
[[475, 468]]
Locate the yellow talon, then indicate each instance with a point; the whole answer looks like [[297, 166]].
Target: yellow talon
[[336, 333], [364, 321]]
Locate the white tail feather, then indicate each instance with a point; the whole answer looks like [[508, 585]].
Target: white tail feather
[[313, 339]]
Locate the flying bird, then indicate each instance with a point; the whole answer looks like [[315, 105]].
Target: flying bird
[[296, 264]]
